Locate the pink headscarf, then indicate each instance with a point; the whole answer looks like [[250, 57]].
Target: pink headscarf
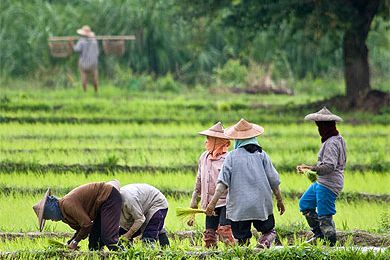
[[216, 146]]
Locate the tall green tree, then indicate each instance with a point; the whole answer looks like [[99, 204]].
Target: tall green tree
[[346, 21]]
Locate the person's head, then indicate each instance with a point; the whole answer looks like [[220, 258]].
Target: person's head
[[216, 142], [52, 210], [325, 121], [243, 130], [85, 31], [47, 208]]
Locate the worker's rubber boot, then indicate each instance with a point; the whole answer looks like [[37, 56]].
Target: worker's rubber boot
[[163, 240], [328, 228], [210, 238], [266, 240], [312, 219], [225, 235]]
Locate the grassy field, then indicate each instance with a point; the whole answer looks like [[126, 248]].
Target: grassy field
[[62, 139]]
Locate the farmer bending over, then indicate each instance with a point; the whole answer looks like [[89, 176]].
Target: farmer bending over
[[330, 170], [88, 48], [251, 178], [143, 213], [210, 163], [92, 209]]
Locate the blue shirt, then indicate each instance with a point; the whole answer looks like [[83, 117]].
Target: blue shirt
[[250, 178]]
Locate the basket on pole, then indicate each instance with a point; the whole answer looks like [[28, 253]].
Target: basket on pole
[[60, 49], [114, 47], [112, 44]]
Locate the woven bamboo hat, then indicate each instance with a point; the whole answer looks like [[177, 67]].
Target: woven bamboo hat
[[216, 130], [85, 31], [115, 183], [323, 115], [39, 208], [244, 130]]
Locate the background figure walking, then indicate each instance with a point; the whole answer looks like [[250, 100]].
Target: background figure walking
[[88, 48]]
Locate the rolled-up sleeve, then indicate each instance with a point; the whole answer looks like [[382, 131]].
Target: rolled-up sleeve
[[225, 174], [270, 171]]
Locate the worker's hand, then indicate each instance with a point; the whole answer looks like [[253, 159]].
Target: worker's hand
[[194, 204], [128, 235], [210, 209], [73, 245], [71, 43], [281, 207], [303, 168]]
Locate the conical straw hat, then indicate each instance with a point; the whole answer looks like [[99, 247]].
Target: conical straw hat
[[216, 130], [323, 115], [39, 208], [115, 183], [244, 130], [85, 31]]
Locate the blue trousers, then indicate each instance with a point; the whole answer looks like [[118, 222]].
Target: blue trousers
[[320, 197]]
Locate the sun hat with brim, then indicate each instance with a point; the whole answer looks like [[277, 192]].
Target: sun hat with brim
[[85, 31], [39, 208], [323, 115], [244, 130], [115, 183], [216, 130]]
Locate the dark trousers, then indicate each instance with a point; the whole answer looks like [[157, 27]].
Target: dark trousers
[[153, 230], [242, 229], [105, 229], [220, 219]]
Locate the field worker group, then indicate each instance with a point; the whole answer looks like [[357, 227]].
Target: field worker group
[[234, 188]]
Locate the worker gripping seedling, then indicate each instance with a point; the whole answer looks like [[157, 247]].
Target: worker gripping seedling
[[317, 204]]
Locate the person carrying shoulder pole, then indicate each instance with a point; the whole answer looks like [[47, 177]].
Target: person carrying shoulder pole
[[317, 204], [88, 48]]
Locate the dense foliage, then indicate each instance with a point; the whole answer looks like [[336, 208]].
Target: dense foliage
[[169, 39]]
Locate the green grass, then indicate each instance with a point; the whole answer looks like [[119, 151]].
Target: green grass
[[155, 130], [368, 182], [369, 213]]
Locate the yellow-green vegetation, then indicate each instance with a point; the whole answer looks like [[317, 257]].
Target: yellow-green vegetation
[[47, 140]]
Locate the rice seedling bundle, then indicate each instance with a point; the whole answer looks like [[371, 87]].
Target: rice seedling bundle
[[188, 212], [311, 175]]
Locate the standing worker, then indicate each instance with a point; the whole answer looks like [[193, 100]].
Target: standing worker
[[210, 163], [92, 210], [322, 194], [251, 178], [88, 48]]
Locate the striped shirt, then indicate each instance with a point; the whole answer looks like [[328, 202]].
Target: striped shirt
[[89, 52]]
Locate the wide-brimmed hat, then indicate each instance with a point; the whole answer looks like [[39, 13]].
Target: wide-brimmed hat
[[85, 31], [40, 207], [216, 130], [115, 183], [323, 115], [244, 130]]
